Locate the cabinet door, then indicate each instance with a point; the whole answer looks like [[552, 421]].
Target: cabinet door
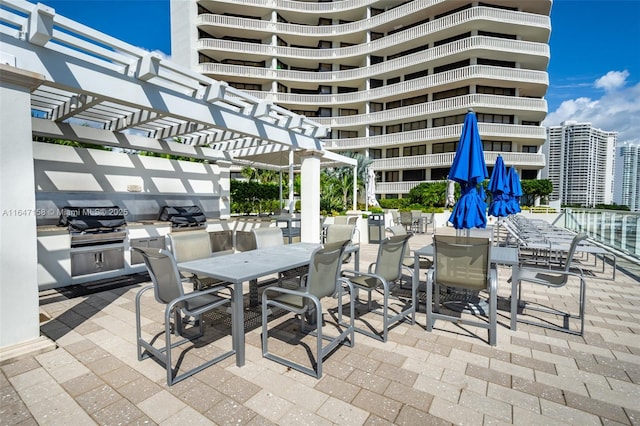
[[154, 242], [90, 262], [136, 258]]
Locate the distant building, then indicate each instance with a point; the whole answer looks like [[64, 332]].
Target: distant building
[[392, 79], [580, 161], [627, 177]]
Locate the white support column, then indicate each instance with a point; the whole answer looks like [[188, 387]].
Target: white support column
[[310, 198], [292, 202], [19, 311], [355, 188], [281, 202]]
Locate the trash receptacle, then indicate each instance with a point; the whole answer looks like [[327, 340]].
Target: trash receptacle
[[376, 228]]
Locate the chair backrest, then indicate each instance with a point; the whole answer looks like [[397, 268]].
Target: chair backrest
[[397, 230], [395, 216], [190, 245], [340, 233], [340, 220], [429, 217], [324, 269], [221, 241], [462, 261], [572, 250], [390, 255], [482, 232], [352, 220], [405, 218], [268, 237], [163, 272], [416, 215]]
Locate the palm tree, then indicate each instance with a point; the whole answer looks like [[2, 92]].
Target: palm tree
[[343, 176]]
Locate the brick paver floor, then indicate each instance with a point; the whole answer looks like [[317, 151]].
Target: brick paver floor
[[448, 376]]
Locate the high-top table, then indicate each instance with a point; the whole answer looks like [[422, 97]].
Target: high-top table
[[499, 256], [241, 267]]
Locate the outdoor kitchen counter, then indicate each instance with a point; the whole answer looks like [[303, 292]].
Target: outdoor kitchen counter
[[51, 230]]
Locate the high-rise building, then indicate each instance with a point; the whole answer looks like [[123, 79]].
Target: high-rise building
[[393, 79], [580, 161], [627, 176]]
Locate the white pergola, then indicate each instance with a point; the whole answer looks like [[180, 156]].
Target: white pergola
[[61, 79]]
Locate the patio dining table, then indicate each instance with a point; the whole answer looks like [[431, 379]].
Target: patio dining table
[[237, 268], [499, 256]]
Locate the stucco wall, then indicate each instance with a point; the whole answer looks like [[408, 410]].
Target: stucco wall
[[141, 185]]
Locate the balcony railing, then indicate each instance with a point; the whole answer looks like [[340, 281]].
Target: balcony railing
[[360, 50], [304, 6], [457, 105], [360, 26], [536, 134], [431, 82], [617, 229], [508, 47], [518, 159]]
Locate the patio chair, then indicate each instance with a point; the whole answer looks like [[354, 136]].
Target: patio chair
[[192, 245], [381, 276], [409, 258], [406, 220], [416, 222], [168, 291], [462, 263], [271, 236], [322, 281], [340, 233], [395, 217], [556, 278]]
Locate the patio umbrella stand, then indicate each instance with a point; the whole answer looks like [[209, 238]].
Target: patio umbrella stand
[[499, 187], [470, 211]]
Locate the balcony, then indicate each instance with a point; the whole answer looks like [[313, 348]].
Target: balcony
[[462, 18], [535, 134], [517, 159], [534, 81], [517, 49], [511, 48], [303, 6], [525, 108]]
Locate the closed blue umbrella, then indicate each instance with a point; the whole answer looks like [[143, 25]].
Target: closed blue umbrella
[[499, 188], [469, 170], [515, 191]]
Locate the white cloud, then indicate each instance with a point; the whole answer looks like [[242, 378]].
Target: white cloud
[[617, 110], [612, 80]]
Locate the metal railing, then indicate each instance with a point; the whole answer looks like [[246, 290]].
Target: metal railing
[[613, 228]]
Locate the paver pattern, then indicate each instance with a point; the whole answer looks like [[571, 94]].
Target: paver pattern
[[448, 376]]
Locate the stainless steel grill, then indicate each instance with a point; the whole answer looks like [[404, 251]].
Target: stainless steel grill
[[183, 216], [97, 238]]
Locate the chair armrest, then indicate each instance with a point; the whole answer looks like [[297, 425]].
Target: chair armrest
[[579, 274]]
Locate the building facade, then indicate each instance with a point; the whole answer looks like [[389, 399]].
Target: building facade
[[580, 164], [392, 79], [627, 177]]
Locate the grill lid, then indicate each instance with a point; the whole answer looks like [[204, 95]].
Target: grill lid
[[183, 215], [92, 218]]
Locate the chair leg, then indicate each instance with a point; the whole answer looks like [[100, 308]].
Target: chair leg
[[429, 306]]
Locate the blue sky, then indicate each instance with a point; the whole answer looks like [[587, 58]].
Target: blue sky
[[594, 71]]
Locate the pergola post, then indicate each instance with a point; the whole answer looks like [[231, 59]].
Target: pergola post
[[355, 188], [292, 203], [19, 311], [310, 197]]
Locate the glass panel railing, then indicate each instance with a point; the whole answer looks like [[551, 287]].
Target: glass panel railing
[[614, 228]]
